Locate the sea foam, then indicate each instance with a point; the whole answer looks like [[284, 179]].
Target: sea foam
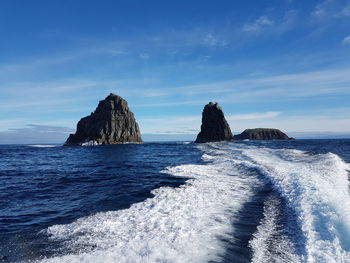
[[188, 223], [316, 190], [184, 224], [43, 145]]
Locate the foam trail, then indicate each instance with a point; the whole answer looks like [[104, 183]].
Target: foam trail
[[184, 224], [43, 145], [316, 189], [270, 243]]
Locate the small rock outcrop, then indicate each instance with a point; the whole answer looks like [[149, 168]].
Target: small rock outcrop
[[262, 134], [111, 123], [214, 126]]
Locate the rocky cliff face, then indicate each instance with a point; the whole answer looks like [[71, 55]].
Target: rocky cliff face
[[262, 134], [111, 123], [214, 125]]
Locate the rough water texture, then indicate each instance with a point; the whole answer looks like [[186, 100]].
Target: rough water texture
[[247, 201], [261, 134], [111, 123], [214, 126]]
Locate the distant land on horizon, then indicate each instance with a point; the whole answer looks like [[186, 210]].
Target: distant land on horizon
[[60, 139]]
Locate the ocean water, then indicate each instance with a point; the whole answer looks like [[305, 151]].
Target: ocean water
[[268, 201]]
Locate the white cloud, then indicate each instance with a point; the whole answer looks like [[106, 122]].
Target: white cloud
[[251, 88], [211, 40], [328, 9], [298, 85], [346, 11], [189, 119], [258, 25], [298, 123], [273, 24], [346, 40], [112, 51], [191, 124], [144, 56], [311, 122], [320, 10], [253, 116], [34, 133], [172, 120], [13, 123]]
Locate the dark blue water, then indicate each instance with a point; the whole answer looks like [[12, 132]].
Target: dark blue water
[[42, 187]]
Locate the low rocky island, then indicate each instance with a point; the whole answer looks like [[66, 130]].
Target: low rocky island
[[262, 134], [111, 123], [214, 126]]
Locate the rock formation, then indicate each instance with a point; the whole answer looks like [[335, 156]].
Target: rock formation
[[111, 123], [214, 126], [262, 134]]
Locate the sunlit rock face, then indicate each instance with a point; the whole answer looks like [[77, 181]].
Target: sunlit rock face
[[214, 126], [111, 123]]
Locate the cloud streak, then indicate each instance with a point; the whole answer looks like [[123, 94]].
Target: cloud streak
[[331, 9], [191, 124], [253, 116], [346, 40], [285, 86], [34, 133], [258, 25]]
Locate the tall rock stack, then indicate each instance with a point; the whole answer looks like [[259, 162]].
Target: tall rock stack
[[111, 123], [214, 126]]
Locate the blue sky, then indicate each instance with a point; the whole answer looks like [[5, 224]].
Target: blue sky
[[282, 64]]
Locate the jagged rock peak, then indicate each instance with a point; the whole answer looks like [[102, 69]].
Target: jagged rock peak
[[214, 126], [111, 123], [262, 134]]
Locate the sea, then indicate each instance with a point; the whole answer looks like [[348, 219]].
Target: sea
[[248, 201]]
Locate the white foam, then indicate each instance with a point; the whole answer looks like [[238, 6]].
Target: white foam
[[270, 243], [90, 143], [43, 145], [316, 188], [184, 224]]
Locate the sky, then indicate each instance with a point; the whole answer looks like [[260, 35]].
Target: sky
[[278, 64]]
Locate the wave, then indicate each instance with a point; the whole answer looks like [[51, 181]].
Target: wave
[[316, 190], [305, 219], [271, 242], [184, 224], [43, 145]]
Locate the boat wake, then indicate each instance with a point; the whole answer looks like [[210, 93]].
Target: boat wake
[[316, 190], [306, 217]]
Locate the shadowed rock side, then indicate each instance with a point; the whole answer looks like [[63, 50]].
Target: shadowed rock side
[[111, 123], [214, 126], [262, 134]]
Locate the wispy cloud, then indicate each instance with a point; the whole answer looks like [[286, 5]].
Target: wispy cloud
[[272, 24], [329, 9], [33, 133], [15, 122], [211, 40], [258, 25], [191, 124], [297, 123], [151, 92], [232, 117], [298, 85], [253, 116], [144, 56], [346, 40]]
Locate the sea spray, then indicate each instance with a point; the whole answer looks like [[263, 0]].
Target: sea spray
[[184, 224], [316, 188]]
